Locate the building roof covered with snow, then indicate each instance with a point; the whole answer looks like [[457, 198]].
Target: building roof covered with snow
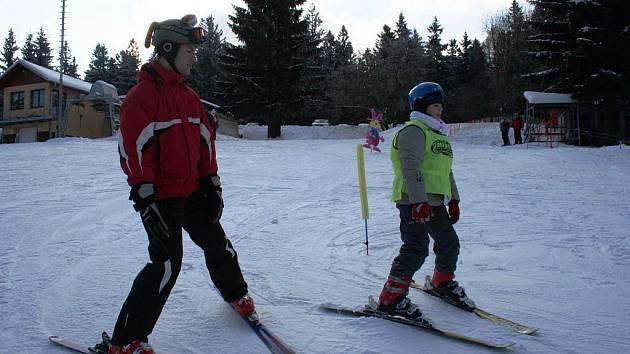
[[548, 98], [48, 75]]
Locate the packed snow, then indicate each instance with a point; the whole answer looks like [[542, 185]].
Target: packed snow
[[544, 241]]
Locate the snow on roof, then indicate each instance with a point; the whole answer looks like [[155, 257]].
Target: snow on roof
[[533, 97], [51, 76]]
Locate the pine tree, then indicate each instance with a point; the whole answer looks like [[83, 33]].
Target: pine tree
[[29, 50], [43, 51], [101, 66], [206, 71], [435, 49], [406, 66], [315, 22], [343, 77], [506, 44], [110, 72], [8, 51], [317, 69], [265, 74], [402, 30], [602, 77], [69, 63], [602, 53], [344, 52], [452, 65], [127, 64], [416, 60], [383, 79], [470, 99], [463, 53], [553, 45], [329, 44], [384, 42]]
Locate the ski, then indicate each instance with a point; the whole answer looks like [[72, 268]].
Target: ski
[[479, 312], [272, 341], [69, 344], [370, 310]]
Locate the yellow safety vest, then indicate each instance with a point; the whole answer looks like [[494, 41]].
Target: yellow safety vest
[[435, 167]]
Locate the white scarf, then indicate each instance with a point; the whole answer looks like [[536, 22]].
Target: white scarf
[[433, 123]]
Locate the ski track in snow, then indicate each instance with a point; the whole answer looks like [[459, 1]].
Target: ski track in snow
[[544, 235]]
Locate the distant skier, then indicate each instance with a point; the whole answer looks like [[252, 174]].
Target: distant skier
[[167, 151], [421, 157], [517, 125], [505, 130]]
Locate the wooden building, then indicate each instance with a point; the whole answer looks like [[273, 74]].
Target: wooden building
[[30, 108]]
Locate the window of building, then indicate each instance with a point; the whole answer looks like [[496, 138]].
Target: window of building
[[17, 100], [8, 138], [43, 136], [55, 102], [37, 98], [56, 99]]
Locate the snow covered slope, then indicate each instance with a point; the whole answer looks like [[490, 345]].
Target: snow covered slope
[[545, 237]]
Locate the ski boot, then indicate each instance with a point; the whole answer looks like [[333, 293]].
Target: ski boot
[[135, 347], [448, 290], [394, 301], [245, 307]]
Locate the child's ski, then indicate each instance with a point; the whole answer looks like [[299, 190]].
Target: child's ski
[[427, 288], [371, 310]]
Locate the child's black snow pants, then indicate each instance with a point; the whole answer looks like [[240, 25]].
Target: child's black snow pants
[[415, 248], [153, 284]]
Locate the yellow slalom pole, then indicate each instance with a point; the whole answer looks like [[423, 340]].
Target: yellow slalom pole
[[365, 214]]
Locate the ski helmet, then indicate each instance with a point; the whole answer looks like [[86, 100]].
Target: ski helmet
[[167, 36], [425, 94]]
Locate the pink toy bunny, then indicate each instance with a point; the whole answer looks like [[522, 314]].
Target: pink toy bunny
[[373, 138]]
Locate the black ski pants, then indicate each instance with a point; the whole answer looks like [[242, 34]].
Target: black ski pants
[[153, 284], [506, 137], [518, 138], [415, 248]]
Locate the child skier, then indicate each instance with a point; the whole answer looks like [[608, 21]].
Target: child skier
[[421, 157]]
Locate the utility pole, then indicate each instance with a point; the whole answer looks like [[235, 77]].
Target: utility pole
[[61, 68]]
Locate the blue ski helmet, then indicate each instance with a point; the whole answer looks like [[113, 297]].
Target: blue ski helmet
[[425, 94]]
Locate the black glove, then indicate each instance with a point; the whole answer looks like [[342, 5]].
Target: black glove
[[210, 186], [143, 196]]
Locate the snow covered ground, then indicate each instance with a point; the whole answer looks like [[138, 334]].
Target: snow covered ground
[[545, 237]]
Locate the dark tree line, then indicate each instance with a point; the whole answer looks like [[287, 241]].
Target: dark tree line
[[38, 51], [582, 47], [286, 68], [120, 70], [506, 44]]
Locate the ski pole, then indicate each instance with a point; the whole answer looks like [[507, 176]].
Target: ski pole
[[363, 193]]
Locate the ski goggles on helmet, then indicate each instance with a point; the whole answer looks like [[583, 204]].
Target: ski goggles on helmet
[[181, 33], [197, 35]]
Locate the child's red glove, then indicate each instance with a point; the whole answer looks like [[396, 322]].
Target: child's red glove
[[421, 213]]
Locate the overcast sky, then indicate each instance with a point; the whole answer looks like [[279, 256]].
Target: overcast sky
[[115, 22]]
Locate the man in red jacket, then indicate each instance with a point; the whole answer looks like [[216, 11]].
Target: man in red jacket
[[167, 151], [517, 125]]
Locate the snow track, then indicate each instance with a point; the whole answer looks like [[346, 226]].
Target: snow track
[[544, 236]]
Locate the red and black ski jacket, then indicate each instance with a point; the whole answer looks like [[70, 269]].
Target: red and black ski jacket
[[165, 137]]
